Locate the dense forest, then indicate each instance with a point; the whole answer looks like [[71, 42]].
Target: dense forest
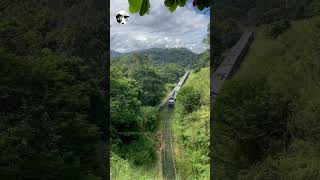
[[266, 119], [192, 126], [139, 82], [52, 95], [181, 56], [138, 85]]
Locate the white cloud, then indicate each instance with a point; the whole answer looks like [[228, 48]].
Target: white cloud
[[182, 28]]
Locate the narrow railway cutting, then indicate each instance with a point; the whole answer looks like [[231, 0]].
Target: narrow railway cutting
[[168, 162]]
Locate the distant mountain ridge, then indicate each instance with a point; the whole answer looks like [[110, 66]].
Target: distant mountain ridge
[[181, 56], [114, 53]]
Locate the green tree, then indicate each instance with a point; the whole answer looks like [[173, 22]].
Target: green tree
[[52, 107], [190, 98], [143, 6]]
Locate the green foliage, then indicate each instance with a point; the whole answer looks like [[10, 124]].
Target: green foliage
[[266, 11], [191, 128], [137, 86], [266, 117], [225, 35], [300, 162], [143, 6], [149, 118], [122, 169], [190, 99], [148, 76], [51, 104], [171, 72], [151, 77], [276, 28], [169, 3], [182, 3], [131, 124], [179, 56], [53, 120], [173, 4], [135, 5], [140, 152], [150, 83], [124, 103]]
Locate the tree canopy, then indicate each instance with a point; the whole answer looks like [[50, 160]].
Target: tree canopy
[[143, 6], [52, 104]]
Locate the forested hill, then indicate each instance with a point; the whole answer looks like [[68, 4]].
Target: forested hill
[[114, 54], [181, 56]]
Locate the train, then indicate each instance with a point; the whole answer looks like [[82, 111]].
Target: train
[[173, 97], [230, 64]]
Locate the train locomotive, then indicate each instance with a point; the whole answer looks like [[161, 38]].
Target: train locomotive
[[172, 99], [173, 96]]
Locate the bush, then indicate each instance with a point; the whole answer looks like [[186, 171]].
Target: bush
[[139, 152], [278, 27], [122, 169], [197, 70], [267, 116], [192, 132], [149, 118], [190, 99]]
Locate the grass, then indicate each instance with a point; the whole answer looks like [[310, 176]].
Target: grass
[[121, 169], [285, 71], [191, 131]]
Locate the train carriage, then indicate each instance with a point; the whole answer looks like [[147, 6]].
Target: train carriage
[[173, 96]]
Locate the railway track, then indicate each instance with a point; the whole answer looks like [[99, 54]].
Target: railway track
[[168, 162], [230, 63], [223, 72]]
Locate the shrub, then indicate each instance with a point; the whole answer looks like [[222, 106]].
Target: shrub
[[278, 27], [190, 98], [149, 118]]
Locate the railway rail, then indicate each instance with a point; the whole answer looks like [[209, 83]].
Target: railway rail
[[168, 162], [230, 64], [223, 72]]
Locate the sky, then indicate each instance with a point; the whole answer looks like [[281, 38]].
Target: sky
[[186, 27]]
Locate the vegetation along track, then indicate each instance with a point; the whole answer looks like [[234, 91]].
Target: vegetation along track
[[224, 71], [230, 64], [168, 162]]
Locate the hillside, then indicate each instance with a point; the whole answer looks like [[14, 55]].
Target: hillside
[[52, 101], [233, 17], [181, 56], [137, 87], [267, 116], [191, 124], [115, 54]]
